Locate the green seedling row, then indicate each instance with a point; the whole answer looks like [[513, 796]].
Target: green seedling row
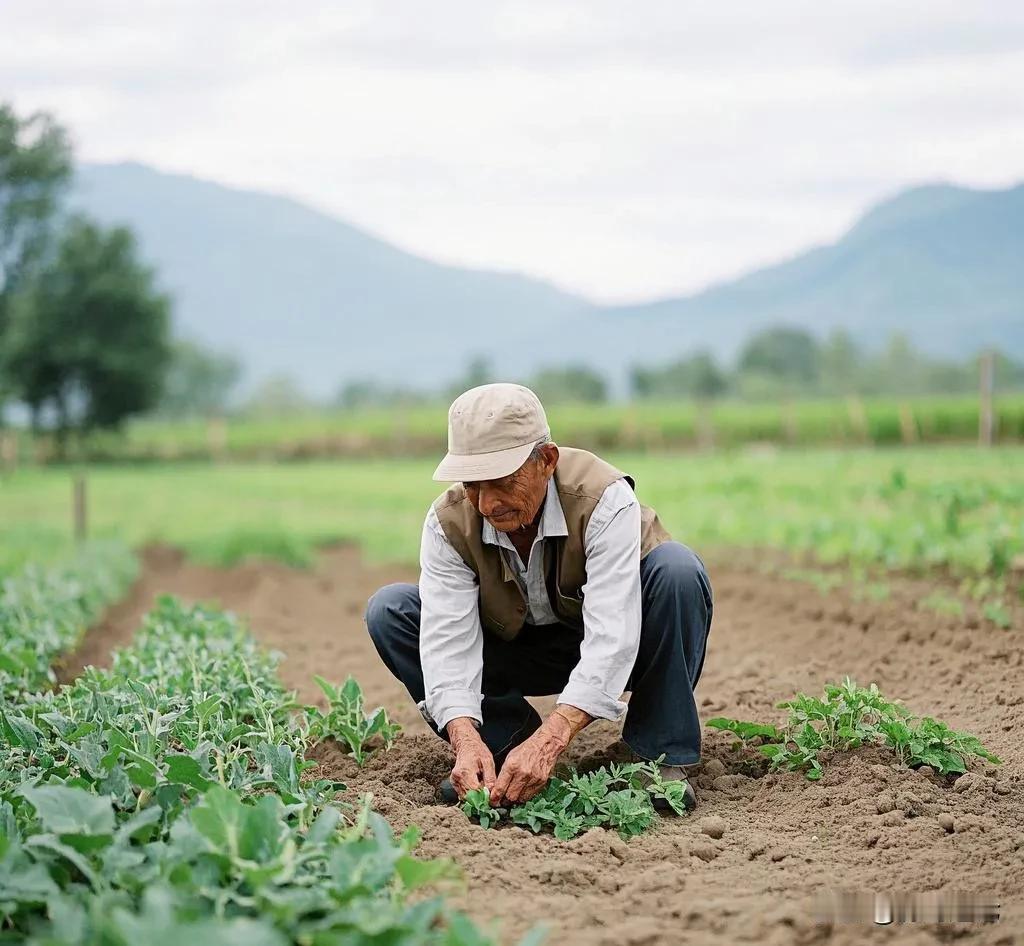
[[45, 611], [848, 717], [617, 796], [167, 800]]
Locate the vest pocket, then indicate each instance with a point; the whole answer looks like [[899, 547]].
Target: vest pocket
[[569, 608]]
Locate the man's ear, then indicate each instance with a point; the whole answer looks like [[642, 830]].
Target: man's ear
[[550, 451]]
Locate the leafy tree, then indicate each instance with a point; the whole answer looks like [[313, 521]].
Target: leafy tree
[[572, 383], [199, 382], [278, 396], [841, 363], [788, 354], [367, 393], [35, 165], [478, 371], [89, 335], [696, 376], [1009, 373]]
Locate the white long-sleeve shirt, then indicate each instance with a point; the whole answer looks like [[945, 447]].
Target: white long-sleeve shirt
[[451, 635]]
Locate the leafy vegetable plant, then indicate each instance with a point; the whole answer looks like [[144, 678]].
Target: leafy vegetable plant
[[167, 800], [347, 720], [44, 612], [848, 717], [618, 796]]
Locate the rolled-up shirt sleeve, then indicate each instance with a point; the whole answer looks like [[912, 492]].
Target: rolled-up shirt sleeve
[[611, 606], [451, 636]]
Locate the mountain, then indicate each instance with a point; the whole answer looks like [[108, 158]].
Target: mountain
[[291, 289], [942, 264]]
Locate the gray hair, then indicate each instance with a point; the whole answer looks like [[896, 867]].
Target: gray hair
[[535, 454]]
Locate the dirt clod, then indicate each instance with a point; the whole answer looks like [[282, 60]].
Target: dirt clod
[[714, 768], [884, 802], [713, 827]]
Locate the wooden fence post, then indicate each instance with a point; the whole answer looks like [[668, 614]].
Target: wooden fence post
[[705, 424], [80, 508], [8, 451], [986, 414], [908, 424], [858, 418], [217, 437]]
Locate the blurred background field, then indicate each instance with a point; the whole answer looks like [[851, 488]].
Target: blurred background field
[[957, 510], [419, 430]]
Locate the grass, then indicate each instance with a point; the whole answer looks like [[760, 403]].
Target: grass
[[913, 508]]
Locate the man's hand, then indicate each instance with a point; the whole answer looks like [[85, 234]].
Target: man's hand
[[474, 764], [528, 767]]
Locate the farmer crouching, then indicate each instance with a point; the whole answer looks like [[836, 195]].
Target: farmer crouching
[[541, 573]]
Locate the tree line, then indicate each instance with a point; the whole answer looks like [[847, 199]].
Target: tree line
[[780, 362]]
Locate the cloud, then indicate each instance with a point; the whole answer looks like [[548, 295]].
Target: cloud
[[622, 151]]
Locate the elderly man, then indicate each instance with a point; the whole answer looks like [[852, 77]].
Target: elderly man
[[541, 573]]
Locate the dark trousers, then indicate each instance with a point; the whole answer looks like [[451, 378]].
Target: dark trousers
[[662, 715]]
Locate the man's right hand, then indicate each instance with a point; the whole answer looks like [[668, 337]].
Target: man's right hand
[[474, 764]]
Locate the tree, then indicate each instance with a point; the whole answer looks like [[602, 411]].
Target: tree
[[278, 396], [572, 383], [478, 371], [787, 354], [199, 382], [842, 364], [696, 376], [35, 165], [355, 395], [89, 334]]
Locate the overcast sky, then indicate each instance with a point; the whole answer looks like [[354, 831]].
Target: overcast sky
[[621, 150]]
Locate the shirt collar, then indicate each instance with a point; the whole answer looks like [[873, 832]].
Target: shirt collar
[[552, 521]]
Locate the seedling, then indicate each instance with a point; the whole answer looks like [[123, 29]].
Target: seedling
[[616, 797], [849, 717], [477, 805], [346, 720]]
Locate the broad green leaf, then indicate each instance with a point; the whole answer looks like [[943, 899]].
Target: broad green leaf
[[325, 826], [262, 830], [220, 817], [415, 873], [65, 810], [186, 770]]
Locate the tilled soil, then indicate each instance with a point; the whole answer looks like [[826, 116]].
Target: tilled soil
[[784, 841]]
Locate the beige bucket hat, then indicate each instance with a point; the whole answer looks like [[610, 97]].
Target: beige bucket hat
[[491, 431]]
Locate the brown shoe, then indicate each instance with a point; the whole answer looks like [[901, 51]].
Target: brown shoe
[[679, 786], [686, 795]]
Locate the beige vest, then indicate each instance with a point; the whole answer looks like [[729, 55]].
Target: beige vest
[[580, 479]]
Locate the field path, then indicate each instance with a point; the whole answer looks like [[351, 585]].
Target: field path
[[866, 826]]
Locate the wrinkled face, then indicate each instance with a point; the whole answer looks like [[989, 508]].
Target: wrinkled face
[[513, 501]]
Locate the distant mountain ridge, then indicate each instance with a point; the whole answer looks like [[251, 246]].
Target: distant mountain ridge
[[294, 290]]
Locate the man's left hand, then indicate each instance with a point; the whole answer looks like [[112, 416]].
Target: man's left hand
[[528, 767]]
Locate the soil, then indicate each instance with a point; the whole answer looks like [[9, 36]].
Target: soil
[[753, 863]]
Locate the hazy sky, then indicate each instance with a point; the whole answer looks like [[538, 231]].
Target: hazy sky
[[622, 150]]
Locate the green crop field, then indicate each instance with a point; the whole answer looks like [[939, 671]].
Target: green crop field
[[955, 508], [641, 425], [175, 796]]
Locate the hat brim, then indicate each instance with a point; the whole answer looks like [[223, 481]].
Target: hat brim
[[482, 466]]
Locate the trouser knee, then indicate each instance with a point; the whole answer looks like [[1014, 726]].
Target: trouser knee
[[676, 570], [389, 608]]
